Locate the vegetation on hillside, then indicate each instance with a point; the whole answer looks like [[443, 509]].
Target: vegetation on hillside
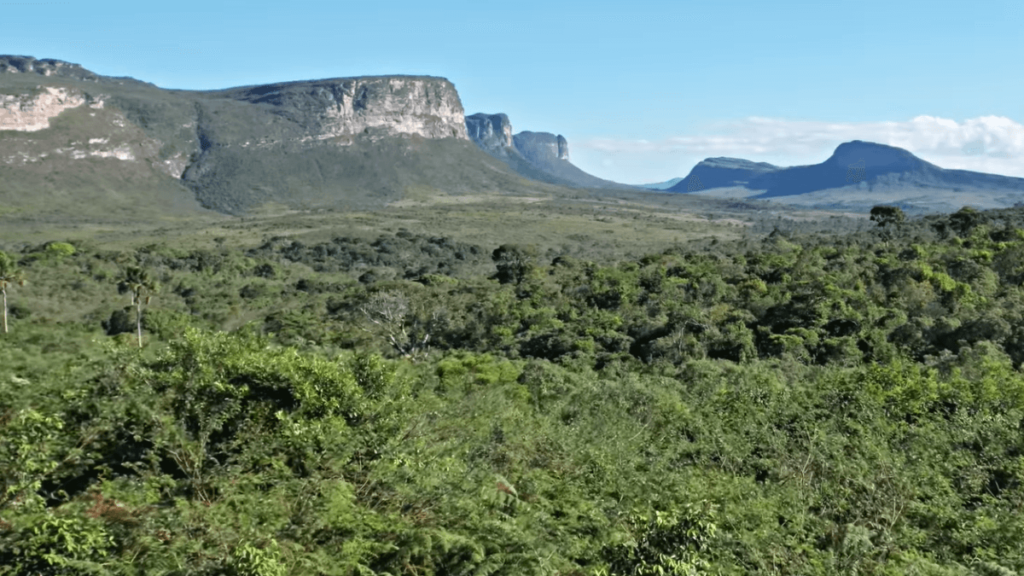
[[789, 404]]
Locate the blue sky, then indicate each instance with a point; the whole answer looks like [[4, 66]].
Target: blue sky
[[642, 89]]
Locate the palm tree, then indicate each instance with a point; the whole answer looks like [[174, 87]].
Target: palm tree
[[137, 281], [9, 276]]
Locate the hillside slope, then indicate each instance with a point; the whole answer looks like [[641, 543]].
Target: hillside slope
[[74, 141]]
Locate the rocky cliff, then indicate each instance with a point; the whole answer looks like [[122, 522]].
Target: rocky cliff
[[491, 132], [563, 148], [550, 153], [347, 107], [45, 67], [31, 111], [542, 147], [352, 142], [535, 155]]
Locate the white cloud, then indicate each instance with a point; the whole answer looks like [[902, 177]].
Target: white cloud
[[987, 144]]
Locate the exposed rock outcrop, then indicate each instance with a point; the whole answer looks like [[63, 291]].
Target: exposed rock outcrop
[[491, 132], [541, 147], [32, 112], [45, 67], [563, 148], [550, 154], [337, 142], [535, 155], [345, 107]]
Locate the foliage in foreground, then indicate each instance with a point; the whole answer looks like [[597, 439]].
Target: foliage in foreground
[[228, 454], [845, 407]]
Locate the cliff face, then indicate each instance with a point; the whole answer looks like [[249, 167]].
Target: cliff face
[[346, 107], [491, 132], [550, 153], [535, 155], [31, 112], [563, 148], [46, 67], [542, 147], [312, 143]]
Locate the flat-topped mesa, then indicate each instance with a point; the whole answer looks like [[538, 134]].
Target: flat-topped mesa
[[722, 172], [492, 132], [542, 146], [46, 67], [425, 106]]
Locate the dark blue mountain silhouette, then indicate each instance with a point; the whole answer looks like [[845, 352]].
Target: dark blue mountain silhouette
[[722, 172], [851, 164]]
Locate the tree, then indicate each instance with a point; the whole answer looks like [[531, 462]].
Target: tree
[[965, 219], [665, 544], [9, 276], [404, 330], [514, 262], [59, 250], [888, 218], [138, 282]]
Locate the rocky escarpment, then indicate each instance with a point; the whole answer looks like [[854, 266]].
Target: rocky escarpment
[[69, 135], [87, 128], [32, 111], [321, 142], [347, 107], [563, 147], [535, 155], [542, 147], [45, 67], [491, 132], [550, 153]]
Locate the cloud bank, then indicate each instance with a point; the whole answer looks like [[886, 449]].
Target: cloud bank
[[992, 144]]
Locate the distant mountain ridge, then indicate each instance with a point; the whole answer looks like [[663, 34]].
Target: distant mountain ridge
[[492, 133], [661, 185], [857, 175], [721, 172], [539, 156]]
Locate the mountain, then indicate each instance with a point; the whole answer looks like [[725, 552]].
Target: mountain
[[536, 155], [851, 163], [661, 185], [722, 172], [84, 143], [857, 176], [492, 133]]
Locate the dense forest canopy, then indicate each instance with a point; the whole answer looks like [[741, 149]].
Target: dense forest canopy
[[790, 403]]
